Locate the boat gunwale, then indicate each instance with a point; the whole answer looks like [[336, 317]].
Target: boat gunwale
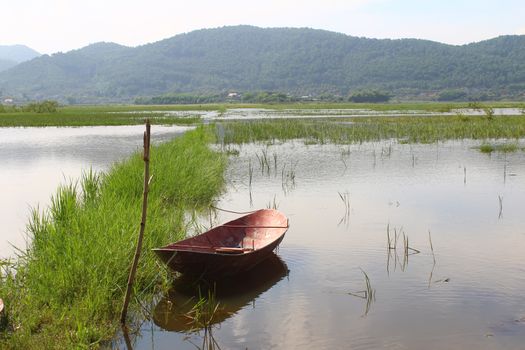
[[209, 250]]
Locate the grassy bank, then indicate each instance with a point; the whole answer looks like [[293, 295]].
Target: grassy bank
[[405, 129], [92, 116], [134, 114], [66, 290]]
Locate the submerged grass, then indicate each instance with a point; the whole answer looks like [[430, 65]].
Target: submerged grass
[[66, 290], [502, 147], [407, 129]]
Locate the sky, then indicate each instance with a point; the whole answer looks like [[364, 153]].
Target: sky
[[50, 26]]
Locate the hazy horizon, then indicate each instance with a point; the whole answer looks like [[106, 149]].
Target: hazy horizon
[[52, 26]]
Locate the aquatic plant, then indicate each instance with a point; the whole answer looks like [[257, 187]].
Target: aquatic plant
[[486, 148], [408, 129], [392, 247], [288, 177], [273, 204], [204, 312], [345, 198], [507, 147], [369, 294], [263, 161]]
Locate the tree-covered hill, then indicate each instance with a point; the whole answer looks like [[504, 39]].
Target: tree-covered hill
[[11, 55], [6, 64], [245, 58]]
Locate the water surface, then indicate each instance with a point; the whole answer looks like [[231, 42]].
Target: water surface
[[265, 113], [36, 160], [467, 293]]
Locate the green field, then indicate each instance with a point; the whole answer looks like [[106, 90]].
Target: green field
[[135, 114]]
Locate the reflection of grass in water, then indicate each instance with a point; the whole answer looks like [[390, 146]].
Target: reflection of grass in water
[[250, 174], [500, 198], [263, 161], [345, 198], [369, 294], [392, 247], [288, 177], [203, 313], [202, 316]]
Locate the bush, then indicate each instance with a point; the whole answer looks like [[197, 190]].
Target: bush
[[369, 96], [452, 95], [47, 106]]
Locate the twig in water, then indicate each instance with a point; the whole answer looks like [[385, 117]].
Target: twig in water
[[433, 258], [505, 170], [369, 294], [250, 174], [345, 197], [431, 246]]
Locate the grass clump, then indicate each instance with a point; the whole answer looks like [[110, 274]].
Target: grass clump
[[66, 290], [487, 148], [504, 147]]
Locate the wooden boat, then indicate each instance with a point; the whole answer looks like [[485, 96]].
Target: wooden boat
[[234, 247]]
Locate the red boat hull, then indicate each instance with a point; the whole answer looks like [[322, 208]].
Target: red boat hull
[[234, 247]]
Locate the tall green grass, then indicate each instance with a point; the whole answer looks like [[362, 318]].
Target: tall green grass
[[405, 129], [91, 116], [66, 290]]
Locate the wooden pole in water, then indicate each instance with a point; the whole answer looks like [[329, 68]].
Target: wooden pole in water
[[134, 265]]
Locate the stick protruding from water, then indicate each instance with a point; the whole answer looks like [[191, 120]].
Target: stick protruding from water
[[138, 249]]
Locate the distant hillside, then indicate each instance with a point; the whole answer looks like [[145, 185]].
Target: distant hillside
[[11, 55], [245, 58], [6, 64]]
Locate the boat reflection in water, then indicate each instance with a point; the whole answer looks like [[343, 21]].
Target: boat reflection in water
[[233, 293]]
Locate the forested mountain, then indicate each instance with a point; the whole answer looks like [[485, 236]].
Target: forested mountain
[[293, 60], [6, 64], [11, 55]]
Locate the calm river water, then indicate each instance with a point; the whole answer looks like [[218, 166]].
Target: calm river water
[[34, 161], [465, 294]]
